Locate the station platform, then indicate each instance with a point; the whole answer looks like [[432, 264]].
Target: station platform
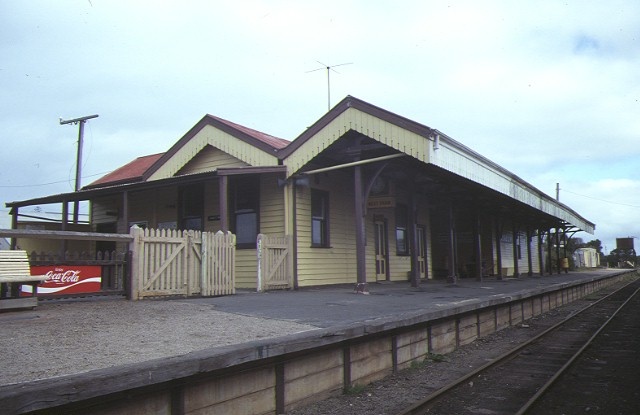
[[331, 306], [287, 347]]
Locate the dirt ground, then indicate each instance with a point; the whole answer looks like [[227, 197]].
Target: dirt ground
[[44, 343]]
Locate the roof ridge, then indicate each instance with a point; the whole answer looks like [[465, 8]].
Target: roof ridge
[[271, 140]]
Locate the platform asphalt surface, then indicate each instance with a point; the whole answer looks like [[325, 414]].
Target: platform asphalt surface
[[337, 305]]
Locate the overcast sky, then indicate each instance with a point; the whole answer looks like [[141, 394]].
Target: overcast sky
[[548, 89]]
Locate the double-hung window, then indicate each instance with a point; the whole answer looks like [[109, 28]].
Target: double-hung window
[[245, 208], [191, 207], [402, 234], [319, 218]]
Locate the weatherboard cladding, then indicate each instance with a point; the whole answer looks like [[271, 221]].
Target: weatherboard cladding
[[336, 264], [210, 159]]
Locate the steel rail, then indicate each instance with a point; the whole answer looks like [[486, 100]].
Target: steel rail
[[417, 408], [566, 366]]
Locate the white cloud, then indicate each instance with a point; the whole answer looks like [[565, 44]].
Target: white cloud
[[548, 89]]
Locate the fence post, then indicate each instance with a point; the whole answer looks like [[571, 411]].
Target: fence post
[[259, 247], [135, 247], [231, 249], [204, 270]]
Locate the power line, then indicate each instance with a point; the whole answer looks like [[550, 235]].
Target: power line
[[50, 183], [601, 200]]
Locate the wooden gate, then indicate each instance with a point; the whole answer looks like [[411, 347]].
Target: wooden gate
[[182, 263], [275, 265], [218, 264]]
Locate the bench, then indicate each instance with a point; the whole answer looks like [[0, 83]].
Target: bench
[[15, 271]]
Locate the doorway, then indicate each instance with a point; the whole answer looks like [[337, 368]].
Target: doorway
[[422, 252], [382, 249]]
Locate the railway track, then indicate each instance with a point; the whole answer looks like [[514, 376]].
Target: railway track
[[536, 376]]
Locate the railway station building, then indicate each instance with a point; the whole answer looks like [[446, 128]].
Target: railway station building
[[363, 195]]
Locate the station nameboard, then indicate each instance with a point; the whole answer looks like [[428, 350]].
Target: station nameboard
[[381, 202]]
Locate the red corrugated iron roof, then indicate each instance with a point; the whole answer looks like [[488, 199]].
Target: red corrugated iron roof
[[129, 173], [274, 142]]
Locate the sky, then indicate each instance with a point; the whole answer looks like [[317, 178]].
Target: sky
[[550, 90]]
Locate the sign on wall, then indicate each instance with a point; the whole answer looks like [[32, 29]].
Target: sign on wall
[[381, 202], [68, 279]]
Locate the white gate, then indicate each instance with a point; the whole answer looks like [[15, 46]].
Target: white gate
[[185, 263], [275, 265]]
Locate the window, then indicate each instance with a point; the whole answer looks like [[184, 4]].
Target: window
[[319, 218], [191, 207], [245, 207], [402, 237]]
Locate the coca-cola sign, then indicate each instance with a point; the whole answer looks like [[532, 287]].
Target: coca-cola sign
[[69, 279]]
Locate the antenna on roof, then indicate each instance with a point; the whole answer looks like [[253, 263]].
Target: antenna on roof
[[329, 68]]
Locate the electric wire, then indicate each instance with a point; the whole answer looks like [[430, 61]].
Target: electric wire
[[50, 183], [601, 200]]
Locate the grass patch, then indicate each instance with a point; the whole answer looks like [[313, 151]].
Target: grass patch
[[354, 389], [418, 364], [434, 357]]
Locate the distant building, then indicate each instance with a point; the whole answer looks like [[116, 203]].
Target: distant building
[[586, 258]]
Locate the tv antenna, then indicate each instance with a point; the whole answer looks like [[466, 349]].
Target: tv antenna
[[329, 68]]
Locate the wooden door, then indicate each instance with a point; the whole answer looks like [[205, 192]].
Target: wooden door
[[382, 249]]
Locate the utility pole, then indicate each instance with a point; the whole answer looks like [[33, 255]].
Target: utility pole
[[557, 192], [80, 121]]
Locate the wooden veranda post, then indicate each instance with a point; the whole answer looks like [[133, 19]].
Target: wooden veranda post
[[540, 253], [529, 256], [515, 236], [413, 228], [452, 245], [477, 245], [499, 248], [361, 286]]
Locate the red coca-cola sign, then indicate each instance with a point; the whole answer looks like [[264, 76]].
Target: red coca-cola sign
[[69, 279]]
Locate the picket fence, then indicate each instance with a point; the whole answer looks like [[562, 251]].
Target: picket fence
[[182, 263]]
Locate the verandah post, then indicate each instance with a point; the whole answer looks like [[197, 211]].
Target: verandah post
[[361, 286]]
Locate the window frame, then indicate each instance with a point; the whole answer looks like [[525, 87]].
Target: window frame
[[245, 202], [402, 227], [187, 196], [322, 197]]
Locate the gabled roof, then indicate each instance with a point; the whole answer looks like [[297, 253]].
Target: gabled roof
[[129, 173], [142, 168], [353, 102], [265, 143]]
